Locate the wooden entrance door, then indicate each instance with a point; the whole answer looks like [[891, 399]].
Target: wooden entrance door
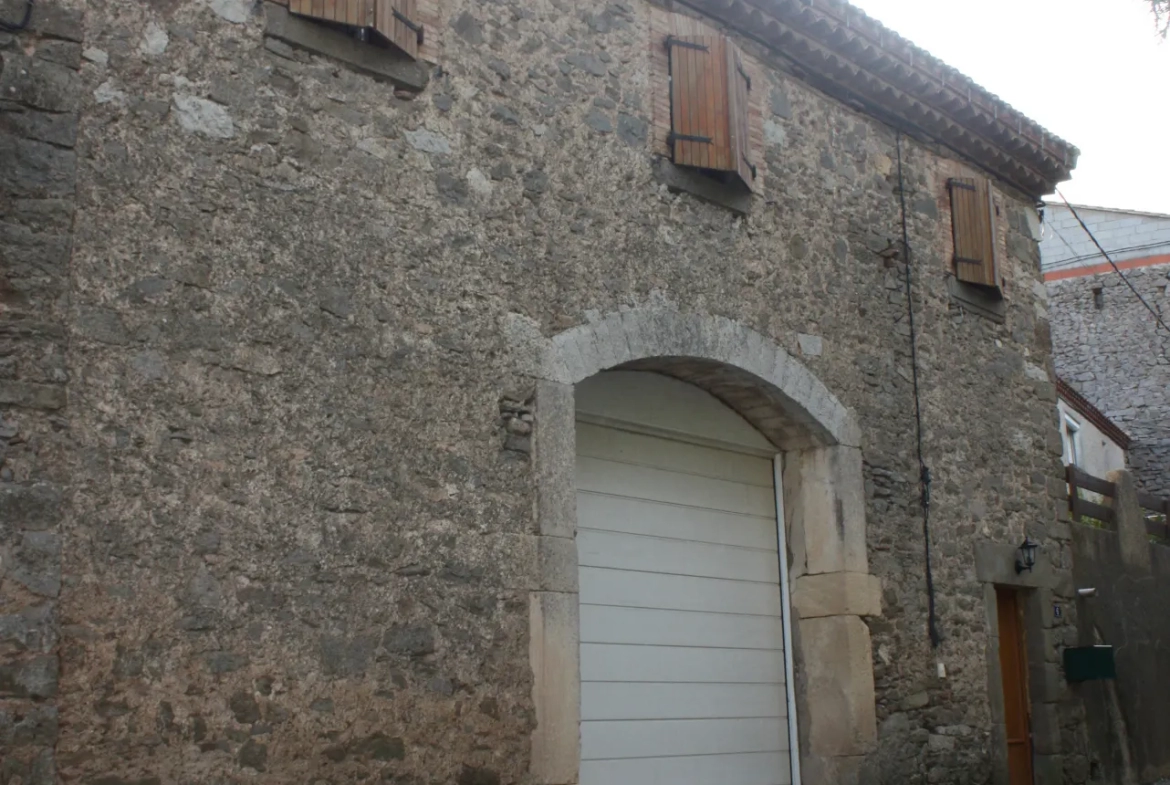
[[1013, 665]]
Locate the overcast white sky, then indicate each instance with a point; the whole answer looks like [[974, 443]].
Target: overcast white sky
[[1090, 71]]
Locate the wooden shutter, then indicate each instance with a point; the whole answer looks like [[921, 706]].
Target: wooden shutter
[[709, 106], [740, 83], [973, 228], [355, 13], [395, 21], [398, 22]]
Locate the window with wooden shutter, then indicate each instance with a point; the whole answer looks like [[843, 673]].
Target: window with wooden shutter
[[973, 228], [394, 21], [709, 106]]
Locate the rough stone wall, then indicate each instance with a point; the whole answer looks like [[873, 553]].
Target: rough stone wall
[[302, 535], [40, 97], [1110, 348], [1126, 717]]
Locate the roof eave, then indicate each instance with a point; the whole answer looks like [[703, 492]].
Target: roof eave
[[846, 53]]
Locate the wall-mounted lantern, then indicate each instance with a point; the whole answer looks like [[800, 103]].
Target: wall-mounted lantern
[[1026, 555]]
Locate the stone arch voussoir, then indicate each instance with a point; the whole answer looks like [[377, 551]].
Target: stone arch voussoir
[[733, 355]]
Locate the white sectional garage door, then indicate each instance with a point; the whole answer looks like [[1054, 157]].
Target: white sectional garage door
[[682, 653]]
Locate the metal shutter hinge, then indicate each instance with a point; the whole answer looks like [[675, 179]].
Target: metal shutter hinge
[[751, 166], [414, 26], [673, 137], [744, 74], [960, 184], [672, 41]]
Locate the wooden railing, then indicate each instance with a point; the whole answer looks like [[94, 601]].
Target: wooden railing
[[1155, 510], [1084, 508]]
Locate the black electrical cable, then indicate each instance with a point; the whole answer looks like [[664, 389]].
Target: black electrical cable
[[1070, 261], [1109, 258], [11, 27], [923, 470]]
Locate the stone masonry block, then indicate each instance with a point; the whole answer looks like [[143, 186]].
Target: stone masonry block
[[565, 347], [36, 563], [554, 653], [618, 350], [836, 657], [1130, 522], [587, 351], [597, 333], [837, 594], [32, 629], [555, 456], [38, 83], [29, 395], [825, 510], [634, 327], [35, 507], [35, 678], [557, 564], [36, 169]]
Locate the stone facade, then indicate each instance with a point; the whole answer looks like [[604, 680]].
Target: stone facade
[[288, 526], [40, 106], [1107, 345], [1105, 342]]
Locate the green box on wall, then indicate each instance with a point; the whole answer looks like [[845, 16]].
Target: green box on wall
[[1089, 663]]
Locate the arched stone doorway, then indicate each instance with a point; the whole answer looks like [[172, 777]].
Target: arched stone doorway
[[823, 513]]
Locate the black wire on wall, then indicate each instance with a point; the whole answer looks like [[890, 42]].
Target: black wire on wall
[[923, 470]]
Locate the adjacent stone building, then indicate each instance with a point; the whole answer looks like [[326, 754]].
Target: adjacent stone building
[[1106, 342], [317, 467]]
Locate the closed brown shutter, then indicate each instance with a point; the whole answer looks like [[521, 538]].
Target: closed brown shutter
[[973, 228], [398, 22], [395, 21], [709, 105], [356, 13]]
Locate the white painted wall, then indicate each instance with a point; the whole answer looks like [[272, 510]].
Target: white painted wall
[[1099, 454]]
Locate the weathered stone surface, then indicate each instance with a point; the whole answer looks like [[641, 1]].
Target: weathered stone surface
[[554, 651], [29, 678], [37, 83], [836, 654], [837, 594], [823, 480], [236, 11], [32, 396], [34, 507], [36, 169], [154, 40], [304, 500], [203, 117], [428, 141], [1101, 337], [1130, 521]]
